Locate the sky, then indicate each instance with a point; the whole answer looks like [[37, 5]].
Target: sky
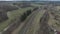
[[29, 0]]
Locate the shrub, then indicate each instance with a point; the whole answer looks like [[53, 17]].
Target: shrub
[[8, 7], [3, 16], [35, 8], [24, 16], [28, 12]]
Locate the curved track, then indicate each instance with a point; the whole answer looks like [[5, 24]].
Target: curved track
[[29, 23]]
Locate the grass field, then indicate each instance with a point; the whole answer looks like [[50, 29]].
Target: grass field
[[12, 15]]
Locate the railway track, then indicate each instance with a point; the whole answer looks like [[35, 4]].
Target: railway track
[[29, 23], [44, 27], [25, 25]]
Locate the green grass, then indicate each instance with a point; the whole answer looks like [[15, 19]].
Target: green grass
[[12, 16], [16, 13]]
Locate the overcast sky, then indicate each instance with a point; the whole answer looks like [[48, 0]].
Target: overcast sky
[[29, 0]]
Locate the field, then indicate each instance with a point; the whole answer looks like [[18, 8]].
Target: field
[[12, 16]]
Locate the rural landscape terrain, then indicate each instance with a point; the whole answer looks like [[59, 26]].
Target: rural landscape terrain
[[29, 17]]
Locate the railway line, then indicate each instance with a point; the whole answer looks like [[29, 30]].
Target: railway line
[[26, 24], [44, 27], [29, 23]]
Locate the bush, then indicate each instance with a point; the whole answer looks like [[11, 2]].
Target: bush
[[8, 7], [28, 12], [24, 16], [35, 8], [3, 16]]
